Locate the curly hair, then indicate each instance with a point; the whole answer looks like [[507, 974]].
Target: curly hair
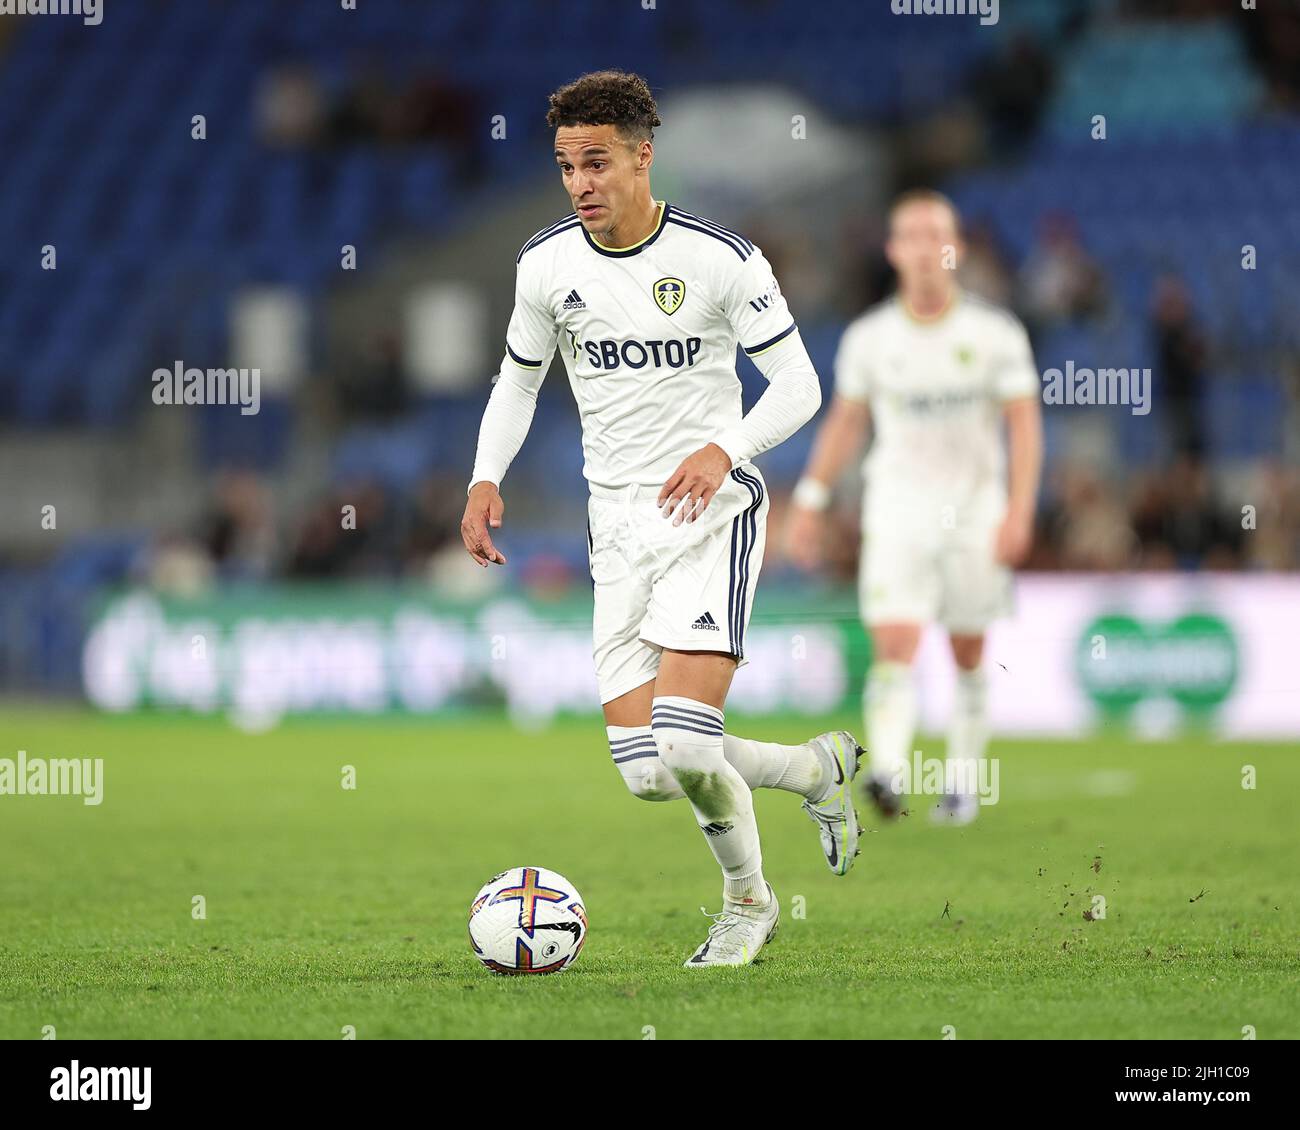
[[601, 98]]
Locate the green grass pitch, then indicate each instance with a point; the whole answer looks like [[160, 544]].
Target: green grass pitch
[[329, 908]]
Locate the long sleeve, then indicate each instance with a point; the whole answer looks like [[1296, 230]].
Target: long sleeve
[[506, 420], [790, 400], [756, 309], [530, 344]]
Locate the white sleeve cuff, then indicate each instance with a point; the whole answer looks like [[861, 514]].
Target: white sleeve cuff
[[735, 444]]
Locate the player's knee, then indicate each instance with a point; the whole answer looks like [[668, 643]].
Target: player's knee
[[649, 779], [895, 643], [900, 656], [967, 651], [636, 757], [688, 736]]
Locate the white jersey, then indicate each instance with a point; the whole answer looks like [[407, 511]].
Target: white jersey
[[936, 391], [648, 335]]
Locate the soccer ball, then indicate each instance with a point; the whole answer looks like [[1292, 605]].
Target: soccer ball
[[527, 920]]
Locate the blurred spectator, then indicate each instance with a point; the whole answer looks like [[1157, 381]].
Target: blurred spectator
[[984, 271], [239, 530], [367, 109], [321, 549], [289, 107], [375, 386], [355, 532], [1087, 526], [435, 521], [1274, 542], [1059, 281], [436, 109], [379, 521], [1272, 36], [869, 277], [1181, 524], [430, 108], [175, 566], [1013, 87], [1181, 355]]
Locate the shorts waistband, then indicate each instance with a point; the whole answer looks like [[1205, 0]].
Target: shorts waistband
[[632, 492]]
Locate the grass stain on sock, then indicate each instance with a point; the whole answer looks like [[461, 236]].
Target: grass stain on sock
[[709, 792]]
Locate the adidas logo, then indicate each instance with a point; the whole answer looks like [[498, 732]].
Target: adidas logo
[[717, 828], [574, 302], [707, 623]]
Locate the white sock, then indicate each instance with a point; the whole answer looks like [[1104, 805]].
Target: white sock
[[768, 765], [690, 741], [968, 732], [763, 765], [891, 717], [636, 757]]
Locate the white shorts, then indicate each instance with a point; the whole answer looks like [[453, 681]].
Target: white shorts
[[685, 588], [906, 576]]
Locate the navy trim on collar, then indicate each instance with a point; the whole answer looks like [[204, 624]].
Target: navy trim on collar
[[623, 253]]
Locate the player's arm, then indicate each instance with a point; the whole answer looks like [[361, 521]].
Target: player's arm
[[754, 306], [1017, 385], [791, 399], [1024, 419], [838, 441], [530, 343]]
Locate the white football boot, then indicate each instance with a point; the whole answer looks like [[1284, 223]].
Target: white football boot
[[834, 814], [737, 934]]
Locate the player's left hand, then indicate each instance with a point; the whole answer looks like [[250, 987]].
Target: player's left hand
[[1015, 536], [690, 488]]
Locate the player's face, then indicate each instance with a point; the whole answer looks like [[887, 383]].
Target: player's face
[[600, 170], [923, 245]]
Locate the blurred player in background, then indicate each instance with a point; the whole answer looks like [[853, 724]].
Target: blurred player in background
[[937, 371], [646, 304]]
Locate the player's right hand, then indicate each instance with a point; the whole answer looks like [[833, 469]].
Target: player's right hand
[[803, 536], [483, 510]]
